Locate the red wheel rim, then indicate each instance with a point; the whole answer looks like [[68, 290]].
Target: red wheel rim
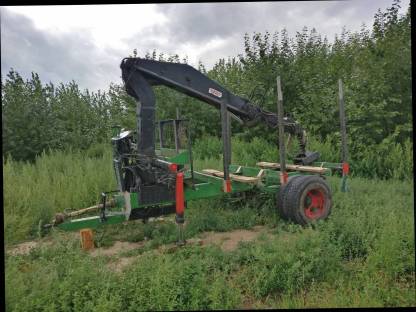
[[314, 204]]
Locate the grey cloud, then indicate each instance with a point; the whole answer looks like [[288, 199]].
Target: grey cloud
[[198, 23], [56, 58], [62, 57], [232, 47]]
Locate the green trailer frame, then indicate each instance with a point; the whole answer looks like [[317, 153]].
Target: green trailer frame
[[265, 177], [200, 186]]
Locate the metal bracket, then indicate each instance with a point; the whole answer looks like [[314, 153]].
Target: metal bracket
[[103, 217]]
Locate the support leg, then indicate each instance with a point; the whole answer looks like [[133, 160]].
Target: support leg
[[180, 207]]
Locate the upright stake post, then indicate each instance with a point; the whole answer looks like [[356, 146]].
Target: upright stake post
[[282, 150], [176, 130], [226, 146], [160, 136], [229, 137], [344, 147], [191, 161]]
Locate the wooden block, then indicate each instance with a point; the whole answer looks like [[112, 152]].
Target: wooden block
[[234, 177], [87, 239], [320, 170]]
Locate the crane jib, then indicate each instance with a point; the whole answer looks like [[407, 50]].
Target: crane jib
[[139, 75]]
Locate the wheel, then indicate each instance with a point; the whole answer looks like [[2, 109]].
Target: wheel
[[281, 208], [306, 199]]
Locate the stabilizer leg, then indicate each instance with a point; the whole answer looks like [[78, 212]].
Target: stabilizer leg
[[180, 208]]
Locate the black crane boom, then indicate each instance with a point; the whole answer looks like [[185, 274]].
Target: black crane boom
[[139, 75]]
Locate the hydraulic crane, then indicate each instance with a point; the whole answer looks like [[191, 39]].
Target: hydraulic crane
[[152, 184]]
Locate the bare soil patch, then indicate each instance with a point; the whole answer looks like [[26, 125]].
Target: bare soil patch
[[120, 263], [228, 241], [23, 248], [116, 249]]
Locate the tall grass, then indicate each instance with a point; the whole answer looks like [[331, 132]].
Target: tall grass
[[387, 160], [73, 179], [362, 255], [57, 181]]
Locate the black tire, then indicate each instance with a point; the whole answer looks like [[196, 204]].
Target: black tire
[[281, 208], [306, 199]]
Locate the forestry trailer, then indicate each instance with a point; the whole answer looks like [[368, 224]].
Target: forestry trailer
[[157, 181]]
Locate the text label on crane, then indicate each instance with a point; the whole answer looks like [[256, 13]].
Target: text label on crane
[[215, 92]]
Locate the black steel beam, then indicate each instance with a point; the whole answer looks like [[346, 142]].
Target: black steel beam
[[282, 149]]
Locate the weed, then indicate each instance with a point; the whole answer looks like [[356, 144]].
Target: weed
[[362, 255]]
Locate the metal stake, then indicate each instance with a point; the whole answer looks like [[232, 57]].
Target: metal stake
[[229, 137], [160, 136], [282, 150], [344, 147], [181, 241], [176, 131], [226, 145]]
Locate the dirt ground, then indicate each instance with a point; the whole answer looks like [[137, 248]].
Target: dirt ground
[[116, 249], [23, 248], [227, 241]]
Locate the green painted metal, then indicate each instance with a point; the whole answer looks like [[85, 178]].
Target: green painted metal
[[204, 186], [120, 201], [181, 159], [134, 202], [91, 222], [170, 155], [210, 186]]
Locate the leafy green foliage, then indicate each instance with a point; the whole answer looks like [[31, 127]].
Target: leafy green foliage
[[60, 180], [57, 181], [375, 67], [362, 255], [397, 160]]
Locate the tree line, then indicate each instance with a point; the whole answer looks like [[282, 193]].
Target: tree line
[[374, 64]]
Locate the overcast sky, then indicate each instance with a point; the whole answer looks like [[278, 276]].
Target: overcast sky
[[86, 43]]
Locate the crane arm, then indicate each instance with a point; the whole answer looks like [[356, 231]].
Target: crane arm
[[139, 75]]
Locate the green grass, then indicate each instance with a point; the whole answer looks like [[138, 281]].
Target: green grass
[[362, 255], [57, 181]]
